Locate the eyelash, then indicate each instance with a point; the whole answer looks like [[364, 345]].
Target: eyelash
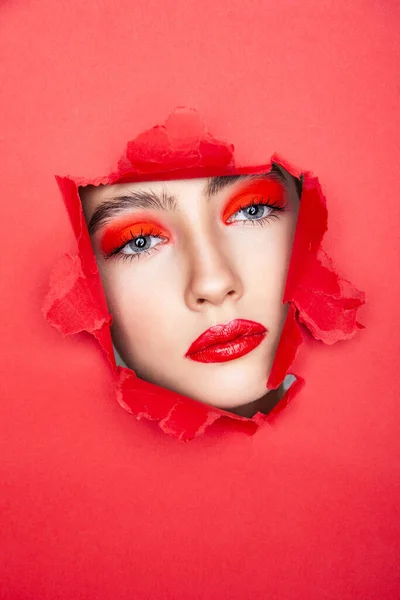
[[263, 220], [117, 252], [135, 256]]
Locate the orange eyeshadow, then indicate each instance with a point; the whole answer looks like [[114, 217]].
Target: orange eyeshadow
[[261, 191], [119, 233]]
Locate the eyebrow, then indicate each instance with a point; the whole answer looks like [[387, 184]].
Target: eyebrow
[[114, 206], [149, 200]]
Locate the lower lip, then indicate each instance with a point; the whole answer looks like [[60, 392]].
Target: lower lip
[[230, 350]]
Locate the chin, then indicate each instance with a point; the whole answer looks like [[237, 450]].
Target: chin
[[231, 396], [226, 388]]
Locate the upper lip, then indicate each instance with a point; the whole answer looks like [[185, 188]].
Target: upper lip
[[224, 334]]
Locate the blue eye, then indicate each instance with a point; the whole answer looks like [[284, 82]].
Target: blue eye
[[141, 243], [253, 212]]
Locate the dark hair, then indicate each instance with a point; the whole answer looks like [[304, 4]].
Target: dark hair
[[298, 181]]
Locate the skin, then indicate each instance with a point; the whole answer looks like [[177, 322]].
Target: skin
[[206, 272]]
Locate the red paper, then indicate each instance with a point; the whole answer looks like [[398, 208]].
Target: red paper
[[96, 504], [318, 299]]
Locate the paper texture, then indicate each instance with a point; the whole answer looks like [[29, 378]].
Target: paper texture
[[319, 299]]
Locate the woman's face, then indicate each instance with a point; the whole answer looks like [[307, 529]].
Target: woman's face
[[194, 273]]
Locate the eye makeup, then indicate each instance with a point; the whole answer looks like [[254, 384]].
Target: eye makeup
[[266, 192], [244, 206], [119, 233]]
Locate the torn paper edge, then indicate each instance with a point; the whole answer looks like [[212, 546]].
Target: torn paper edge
[[318, 298]]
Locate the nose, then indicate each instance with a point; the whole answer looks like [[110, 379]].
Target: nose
[[212, 278]]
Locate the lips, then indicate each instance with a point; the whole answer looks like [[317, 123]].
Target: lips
[[222, 343]]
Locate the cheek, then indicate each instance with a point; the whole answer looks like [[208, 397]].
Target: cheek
[[263, 255], [128, 295], [142, 303]]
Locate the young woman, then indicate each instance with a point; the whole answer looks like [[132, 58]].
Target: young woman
[[194, 273]]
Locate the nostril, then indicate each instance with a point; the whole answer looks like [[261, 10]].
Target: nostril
[[231, 293], [200, 300]]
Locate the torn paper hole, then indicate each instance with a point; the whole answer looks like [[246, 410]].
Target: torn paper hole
[[209, 271]]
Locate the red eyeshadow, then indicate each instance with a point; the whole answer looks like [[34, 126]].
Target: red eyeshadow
[[262, 191], [118, 233]]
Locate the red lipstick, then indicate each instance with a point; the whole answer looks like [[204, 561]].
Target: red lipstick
[[227, 342]]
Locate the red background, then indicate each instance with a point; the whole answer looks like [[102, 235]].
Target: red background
[[95, 504]]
